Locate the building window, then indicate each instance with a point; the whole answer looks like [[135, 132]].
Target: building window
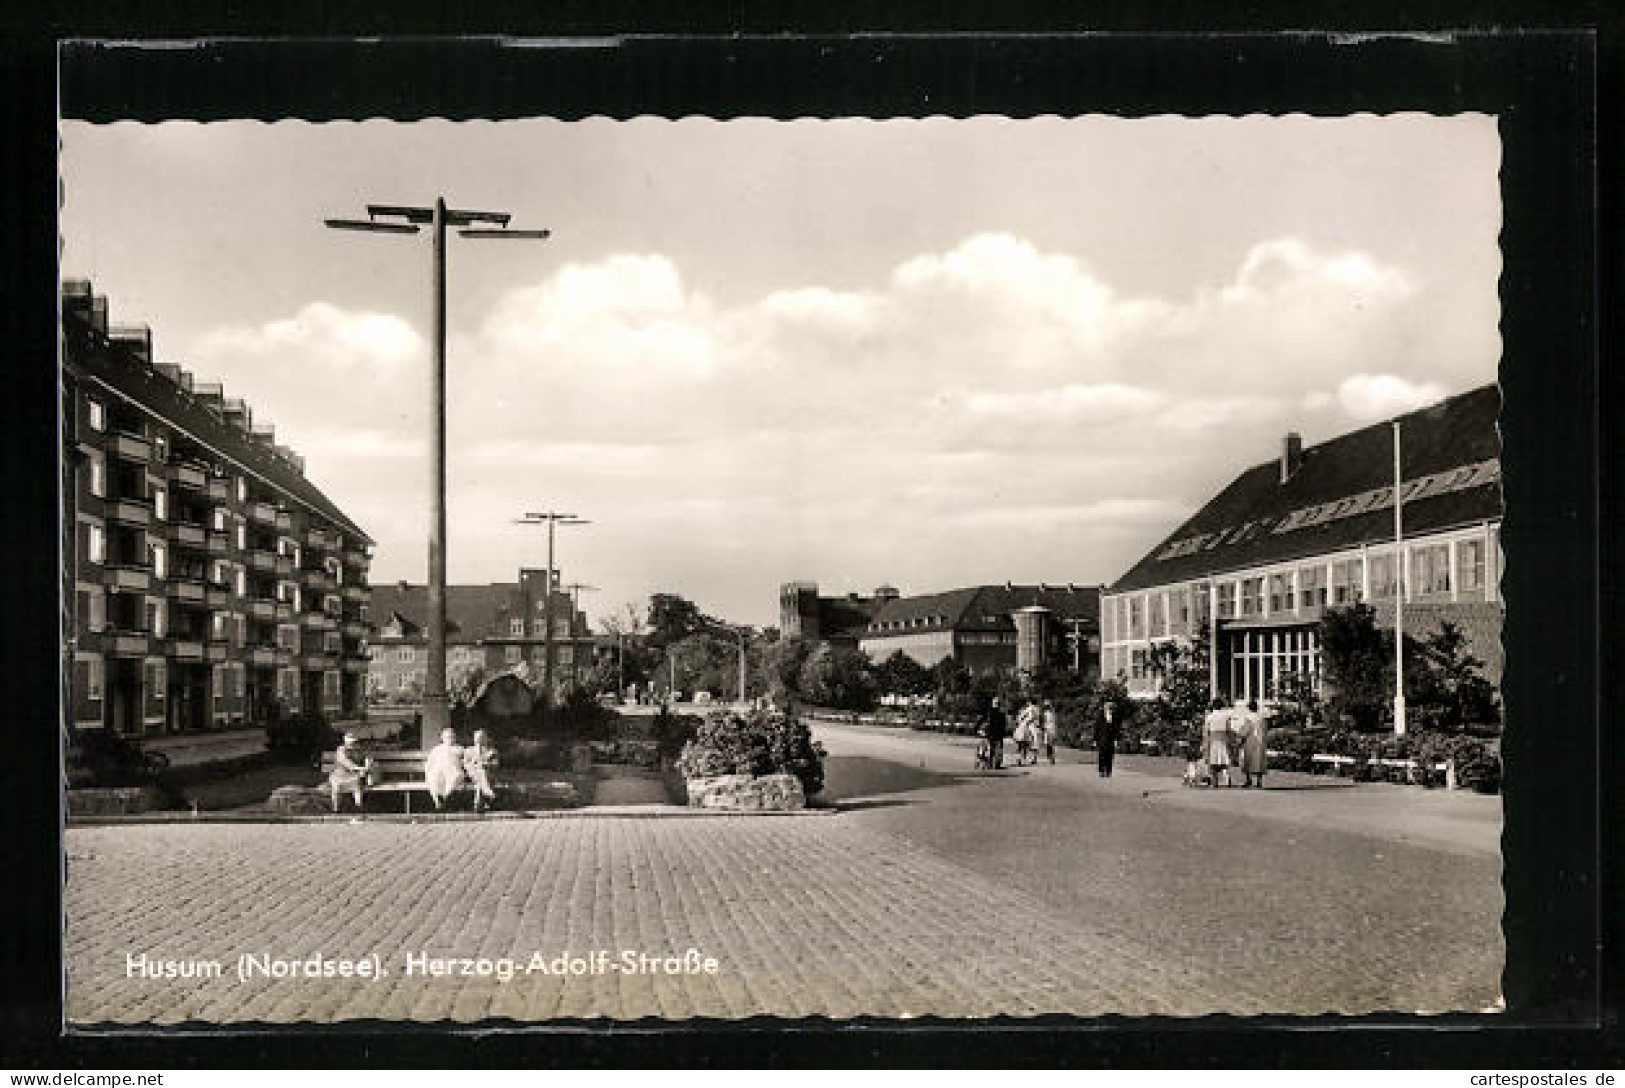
[[160, 561], [242, 492], [1280, 593], [1384, 576], [156, 680], [567, 654], [242, 535], [1252, 596], [1430, 569], [1345, 581], [1136, 618], [96, 544], [1159, 615], [516, 628], [98, 415], [1470, 558], [513, 654], [157, 615], [93, 677], [96, 610], [404, 683], [330, 684], [242, 583], [1311, 586], [98, 477], [217, 627], [406, 655], [218, 519], [1227, 600], [160, 505], [1136, 665], [239, 676]]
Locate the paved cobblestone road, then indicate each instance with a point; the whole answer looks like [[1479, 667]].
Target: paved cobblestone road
[[913, 902]]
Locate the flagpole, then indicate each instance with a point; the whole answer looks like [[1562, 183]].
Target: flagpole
[[1399, 594]]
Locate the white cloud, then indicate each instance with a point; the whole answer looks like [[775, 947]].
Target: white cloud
[[986, 412], [1375, 396]]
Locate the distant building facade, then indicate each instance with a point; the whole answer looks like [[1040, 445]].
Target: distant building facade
[[1287, 539], [992, 629], [499, 627], [836, 621], [210, 585]]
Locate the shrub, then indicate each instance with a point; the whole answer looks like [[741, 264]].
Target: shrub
[[758, 743], [672, 732]]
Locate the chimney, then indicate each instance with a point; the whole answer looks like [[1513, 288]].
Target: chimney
[[1291, 454], [401, 585]]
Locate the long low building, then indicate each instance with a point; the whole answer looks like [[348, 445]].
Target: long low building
[[992, 629], [1260, 563], [212, 585]]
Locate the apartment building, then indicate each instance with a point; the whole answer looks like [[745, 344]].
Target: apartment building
[[498, 627], [1260, 563], [208, 584]]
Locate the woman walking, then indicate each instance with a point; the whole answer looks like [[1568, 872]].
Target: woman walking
[[1216, 732], [1254, 751]]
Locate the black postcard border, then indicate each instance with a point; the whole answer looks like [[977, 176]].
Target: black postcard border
[[1559, 426]]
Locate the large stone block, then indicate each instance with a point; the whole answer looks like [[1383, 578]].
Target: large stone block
[[747, 793]]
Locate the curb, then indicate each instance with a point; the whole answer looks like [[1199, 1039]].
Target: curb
[[610, 812]]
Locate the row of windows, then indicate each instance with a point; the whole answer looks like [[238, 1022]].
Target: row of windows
[[1341, 582]]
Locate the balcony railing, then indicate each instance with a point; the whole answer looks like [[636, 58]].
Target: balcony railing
[[218, 596], [262, 655], [130, 512], [284, 521], [187, 590], [355, 593], [219, 542], [188, 533], [130, 447], [262, 512], [322, 540], [355, 628], [217, 651], [284, 564], [262, 561], [127, 576], [317, 579], [262, 609], [355, 664], [188, 476], [317, 621], [354, 557], [219, 488], [319, 661], [186, 649], [126, 643], [284, 612]]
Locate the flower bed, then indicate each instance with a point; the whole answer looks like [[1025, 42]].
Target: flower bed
[[758, 744]]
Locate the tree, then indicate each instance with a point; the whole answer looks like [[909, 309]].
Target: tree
[[1357, 668], [1448, 686], [838, 677], [1183, 678], [900, 674], [463, 684], [780, 665], [673, 618]]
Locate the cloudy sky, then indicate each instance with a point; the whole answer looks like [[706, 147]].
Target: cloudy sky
[[930, 353]]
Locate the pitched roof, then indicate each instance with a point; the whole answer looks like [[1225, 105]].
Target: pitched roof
[[116, 363], [983, 608], [472, 611], [1341, 495]]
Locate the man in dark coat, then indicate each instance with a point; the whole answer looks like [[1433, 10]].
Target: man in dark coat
[[1106, 739], [994, 729]]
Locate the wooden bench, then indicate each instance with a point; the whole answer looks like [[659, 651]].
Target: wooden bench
[[394, 772], [1409, 766]]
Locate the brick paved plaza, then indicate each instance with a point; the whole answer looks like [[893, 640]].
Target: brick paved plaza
[[932, 891]]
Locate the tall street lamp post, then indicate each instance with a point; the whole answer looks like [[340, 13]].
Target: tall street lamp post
[[401, 219], [1400, 583], [550, 518]]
